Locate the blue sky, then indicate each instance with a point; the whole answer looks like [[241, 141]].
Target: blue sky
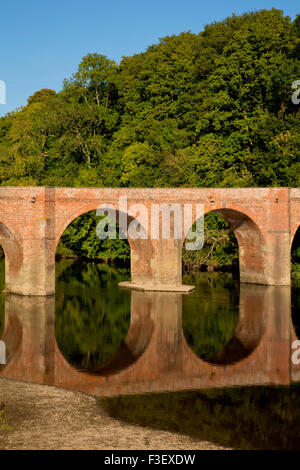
[[42, 42]]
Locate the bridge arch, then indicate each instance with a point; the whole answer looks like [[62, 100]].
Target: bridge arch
[[12, 251], [132, 348], [295, 238], [89, 208], [141, 251], [295, 254], [11, 247], [244, 338], [137, 337], [250, 240]]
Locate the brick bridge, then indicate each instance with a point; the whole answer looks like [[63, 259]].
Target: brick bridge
[[32, 220]]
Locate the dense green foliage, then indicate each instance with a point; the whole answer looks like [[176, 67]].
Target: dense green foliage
[[211, 109], [207, 109], [80, 240], [220, 249]]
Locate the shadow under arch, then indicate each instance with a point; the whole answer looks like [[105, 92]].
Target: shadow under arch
[[295, 260], [250, 243], [295, 247]]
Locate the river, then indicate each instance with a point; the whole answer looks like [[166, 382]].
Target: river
[[101, 330]]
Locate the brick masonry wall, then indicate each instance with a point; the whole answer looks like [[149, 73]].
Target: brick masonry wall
[[32, 220]]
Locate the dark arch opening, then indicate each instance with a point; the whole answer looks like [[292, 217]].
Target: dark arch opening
[[295, 297], [295, 255], [244, 245], [220, 249], [2, 285], [80, 241], [93, 322]]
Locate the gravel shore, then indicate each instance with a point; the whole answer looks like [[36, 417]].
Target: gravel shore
[[42, 417]]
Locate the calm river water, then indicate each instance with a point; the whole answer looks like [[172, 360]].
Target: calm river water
[[98, 330]]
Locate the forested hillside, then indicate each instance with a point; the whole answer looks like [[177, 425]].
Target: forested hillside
[[212, 109]]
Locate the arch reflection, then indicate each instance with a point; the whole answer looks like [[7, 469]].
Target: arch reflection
[[155, 356], [249, 329]]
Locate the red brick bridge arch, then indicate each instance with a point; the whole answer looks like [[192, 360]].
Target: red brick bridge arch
[[251, 242], [33, 219], [136, 246], [12, 250]]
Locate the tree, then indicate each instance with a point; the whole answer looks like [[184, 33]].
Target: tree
[[212, 109]]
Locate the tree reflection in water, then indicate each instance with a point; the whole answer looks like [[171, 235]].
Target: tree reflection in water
[[239, 417], [92, 315]]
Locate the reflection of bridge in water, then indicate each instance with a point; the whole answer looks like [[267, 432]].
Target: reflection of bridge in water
[[155, 355]]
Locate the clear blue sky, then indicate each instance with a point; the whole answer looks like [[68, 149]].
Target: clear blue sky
[[42, 42]]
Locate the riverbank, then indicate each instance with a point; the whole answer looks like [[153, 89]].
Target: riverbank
[[42, 417]]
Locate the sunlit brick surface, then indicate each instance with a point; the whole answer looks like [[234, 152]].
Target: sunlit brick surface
[[32, 220]]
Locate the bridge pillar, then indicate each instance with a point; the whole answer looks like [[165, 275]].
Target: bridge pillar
[[267, 261], [277, 236], [156, 265], [278, 259], [30, 251], [36, 273], [28, 338], [264, 245]]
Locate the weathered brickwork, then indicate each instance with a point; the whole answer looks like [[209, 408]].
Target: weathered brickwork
[[32, 220]]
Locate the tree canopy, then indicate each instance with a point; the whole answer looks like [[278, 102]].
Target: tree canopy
[[212, 109], [207, 109]]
